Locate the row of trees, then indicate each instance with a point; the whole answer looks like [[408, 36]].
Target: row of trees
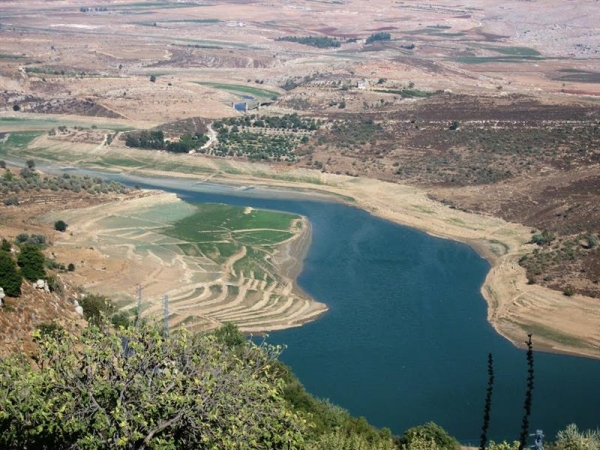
[[313, 41], [28, 179], [285, 122], [378, 37], [155, 140]]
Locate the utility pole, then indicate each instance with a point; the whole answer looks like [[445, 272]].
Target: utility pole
[[139, 305], [166, 311]]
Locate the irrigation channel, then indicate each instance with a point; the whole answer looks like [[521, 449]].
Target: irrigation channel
[[406, 338]]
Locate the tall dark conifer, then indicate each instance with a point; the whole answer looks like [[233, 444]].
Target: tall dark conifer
[[488, 403], [528, 395]]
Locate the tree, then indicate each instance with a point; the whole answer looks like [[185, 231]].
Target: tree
[[71, 267], [26, 172], [378, 37], [229, 335], [97, 308], [31, 261], [132, 389], [428, 432], [120, 319], [16, 108], [60, 225], [5, 246], [31, 164], [10, 278]]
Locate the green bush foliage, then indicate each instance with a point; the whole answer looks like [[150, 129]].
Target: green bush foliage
[[11, 185], [313, 41], [131, 389], [10, 278], [571, 438], [60, 225], [428, 432], [50, 329], [5, 246], [155, 140], [264, 137], [378, 37], [97, 308], [31, 260], [543, 238]]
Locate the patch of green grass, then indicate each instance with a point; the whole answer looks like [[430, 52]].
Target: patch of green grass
[[498, 59], [580, 76], [48, 123], [226, 249], [515, 51], [7, 56], [436, 31], [111, 161], [211, 217], [181, 167], [41, 153], [265, 237], [17, 142], [208, 42], [241, 89]]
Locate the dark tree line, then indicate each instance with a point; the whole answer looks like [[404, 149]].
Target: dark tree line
[[155, 140], [313, 41]]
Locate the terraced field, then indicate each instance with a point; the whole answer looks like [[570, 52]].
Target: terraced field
[[217, 263]]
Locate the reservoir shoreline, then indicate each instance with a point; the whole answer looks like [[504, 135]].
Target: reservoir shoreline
[[560, 324]]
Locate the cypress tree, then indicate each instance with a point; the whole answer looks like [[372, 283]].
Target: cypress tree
[[10, 278], [528, 395], [488, 403]]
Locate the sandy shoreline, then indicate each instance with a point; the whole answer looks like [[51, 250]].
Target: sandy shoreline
[[559, 324]]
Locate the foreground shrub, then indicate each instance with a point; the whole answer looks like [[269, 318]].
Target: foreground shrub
[[131, 389], [427, 434], [571, 438]]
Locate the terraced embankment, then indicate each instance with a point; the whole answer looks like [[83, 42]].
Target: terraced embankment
[[216, 263]]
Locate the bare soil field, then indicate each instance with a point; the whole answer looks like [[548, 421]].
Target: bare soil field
[[472, 107]]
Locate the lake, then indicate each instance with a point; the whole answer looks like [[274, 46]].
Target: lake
[[406, 338]]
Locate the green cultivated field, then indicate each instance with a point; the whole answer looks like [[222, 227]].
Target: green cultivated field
[[215, 218], [18, 141], [220, 231], [241, 89]]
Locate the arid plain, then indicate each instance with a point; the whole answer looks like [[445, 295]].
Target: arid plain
[[476, 121]]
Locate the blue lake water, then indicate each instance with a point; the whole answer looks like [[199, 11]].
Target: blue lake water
[[406, 338]]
